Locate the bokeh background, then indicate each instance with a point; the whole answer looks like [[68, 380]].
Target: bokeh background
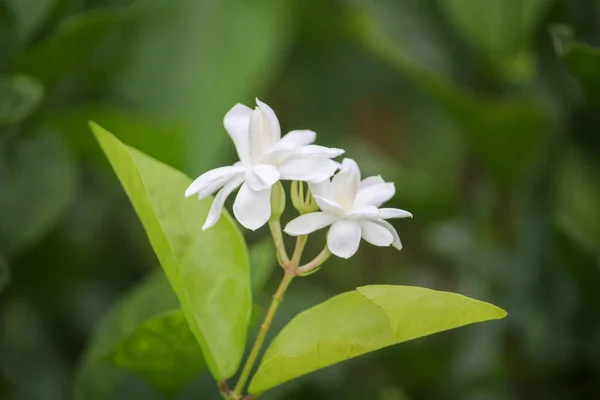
[[472, 107]]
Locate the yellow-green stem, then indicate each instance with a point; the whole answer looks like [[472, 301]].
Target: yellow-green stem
[[292, 270], [264, 328], [300, 244], [315, 263], [282, 256]]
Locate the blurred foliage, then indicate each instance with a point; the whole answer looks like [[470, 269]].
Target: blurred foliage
[[98, 379], [582, 60], [20, 95], [485, 115]]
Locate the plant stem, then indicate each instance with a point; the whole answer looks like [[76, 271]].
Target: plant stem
[[264, 328], [300, 243], [224, 389], [315, 263], [292, 270], [282, 256]]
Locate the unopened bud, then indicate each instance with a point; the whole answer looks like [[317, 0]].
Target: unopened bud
[[277, 200], [302, 198]]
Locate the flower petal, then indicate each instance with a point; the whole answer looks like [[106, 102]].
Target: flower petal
[[376, 194], [213, 179], [316, 150], [237, 124], [369, 212], [252, 209], [300, 137], [376, 234], [274, 128], [216, 207], [396, 243], [321, 188], [344, 185], [213, 187], [370, 181], [262, 176], [343, 238], [329, 206], [387, 213], [259, 137], [307, 169], [308, 223], [277, 154]]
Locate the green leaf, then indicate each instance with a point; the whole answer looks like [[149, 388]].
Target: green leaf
[[208, 270], [163, 350], [358, 322], [582, 60], [71, 45], [33, 166], [263, 262], [19, 97]]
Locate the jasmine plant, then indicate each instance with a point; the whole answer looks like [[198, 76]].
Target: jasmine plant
[[209, 272]]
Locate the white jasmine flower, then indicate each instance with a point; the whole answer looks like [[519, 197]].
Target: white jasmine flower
[[351, 207], [265, 158]]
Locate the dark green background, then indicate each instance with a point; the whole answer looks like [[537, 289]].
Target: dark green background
[[484, 112]]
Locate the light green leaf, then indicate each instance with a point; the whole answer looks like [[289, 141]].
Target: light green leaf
[[208, 270], [35, 166], [358, 322], [263, 262], [163, 350], [98, 380], [19, 97], [582, 60]]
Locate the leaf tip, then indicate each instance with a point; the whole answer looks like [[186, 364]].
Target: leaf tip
[[500, 313], [97, 130], [102, 135], [94, 126]]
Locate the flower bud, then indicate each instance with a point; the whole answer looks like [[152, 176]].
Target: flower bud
[[302, 199], [277, 201]]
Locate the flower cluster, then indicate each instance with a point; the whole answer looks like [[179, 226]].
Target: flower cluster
[[348, 205]]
